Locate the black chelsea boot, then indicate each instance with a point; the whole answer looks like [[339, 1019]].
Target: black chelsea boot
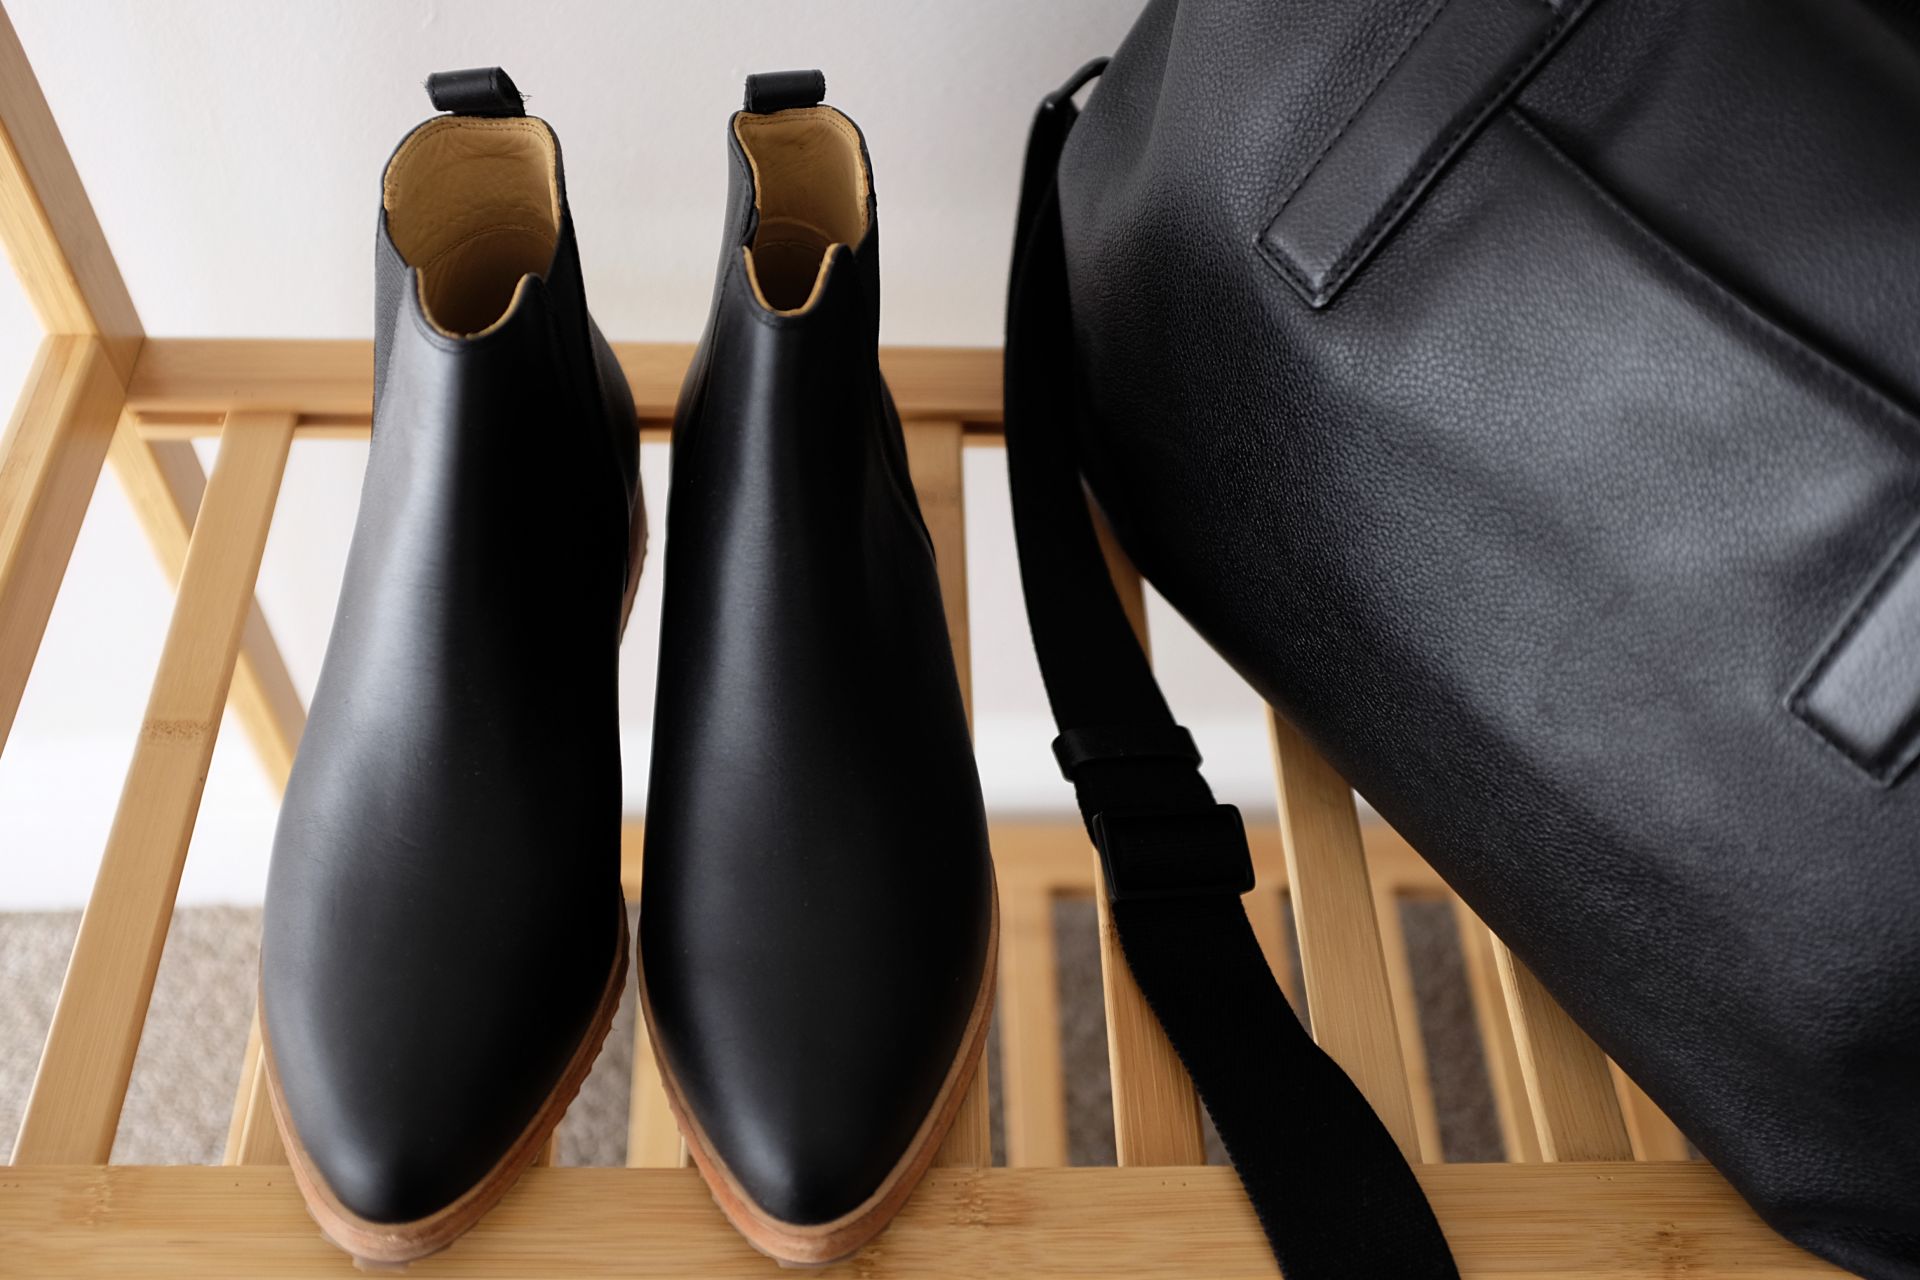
[[445, 943], [818, 922]]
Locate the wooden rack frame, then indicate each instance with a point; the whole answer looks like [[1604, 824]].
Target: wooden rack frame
[[1573, 1201]]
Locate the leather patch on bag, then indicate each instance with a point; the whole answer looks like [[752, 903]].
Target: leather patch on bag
[[1862, 693], [1461, 61]]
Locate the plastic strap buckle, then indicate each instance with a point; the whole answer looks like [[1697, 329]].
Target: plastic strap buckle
[[1183, 854]]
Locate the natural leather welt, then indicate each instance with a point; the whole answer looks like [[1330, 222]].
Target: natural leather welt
[[474, 206], [810, 187]]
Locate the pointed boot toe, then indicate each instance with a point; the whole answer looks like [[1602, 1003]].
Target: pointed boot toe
[[445, 943], [818, 924]]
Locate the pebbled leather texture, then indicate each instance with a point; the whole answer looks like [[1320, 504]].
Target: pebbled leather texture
[[444, 905], [815, 924], [1536, 528]]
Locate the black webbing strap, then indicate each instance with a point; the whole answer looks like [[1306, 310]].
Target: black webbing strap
[[1332, 1191]]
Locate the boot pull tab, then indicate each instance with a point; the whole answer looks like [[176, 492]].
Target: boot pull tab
[[769, 91], [476, 91]]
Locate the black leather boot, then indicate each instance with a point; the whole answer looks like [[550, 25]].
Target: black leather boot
[[445, 943], [817, 927]]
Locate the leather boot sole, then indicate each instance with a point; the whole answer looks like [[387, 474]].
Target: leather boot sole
[[391, 1243], [818, 1244]]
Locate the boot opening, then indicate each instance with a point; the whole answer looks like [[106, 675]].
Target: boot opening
[[810, 185], [474, 205]]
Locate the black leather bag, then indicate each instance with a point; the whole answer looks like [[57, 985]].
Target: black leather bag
[[1525, 397]]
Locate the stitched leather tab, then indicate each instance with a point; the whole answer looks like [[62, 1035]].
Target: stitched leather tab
[[1460, 61], [476, 91], [1862, 693], [778, 90]]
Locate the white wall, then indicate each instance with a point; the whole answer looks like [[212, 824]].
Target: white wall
[[233, 150]]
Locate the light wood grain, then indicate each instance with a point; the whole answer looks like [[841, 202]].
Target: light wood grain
[[1501, 1054], [1653, 1135], [1576, 1113], [49, 463], [933, 458], [1349, 1001], [653, 1138], [1570, 1222], [259, 1138], [180, 386], [1266, 912], [1032, 1080], [1156, 1114], [48, 224], [252, 1135], [164, 483], [653, 1135], [243, 1091], [1406, 1016], [78, 1090]]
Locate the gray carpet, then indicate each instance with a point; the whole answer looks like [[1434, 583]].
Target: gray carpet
[[181, 1094]]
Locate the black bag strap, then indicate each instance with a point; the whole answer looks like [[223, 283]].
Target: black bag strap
[[1332, 1191]]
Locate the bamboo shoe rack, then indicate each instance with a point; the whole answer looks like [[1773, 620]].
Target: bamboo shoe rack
[[1596, 1185]]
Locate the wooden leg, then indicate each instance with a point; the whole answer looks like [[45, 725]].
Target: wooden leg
[[49, 462]]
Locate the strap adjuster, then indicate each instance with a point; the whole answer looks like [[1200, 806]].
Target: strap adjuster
[[1182, 854]]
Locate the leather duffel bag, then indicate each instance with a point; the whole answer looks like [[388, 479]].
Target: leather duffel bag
[[1524, 396]]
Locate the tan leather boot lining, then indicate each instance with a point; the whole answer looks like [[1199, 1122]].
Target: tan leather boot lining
[[474, 205], [810, 186]]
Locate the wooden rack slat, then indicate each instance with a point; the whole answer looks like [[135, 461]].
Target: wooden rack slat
[[49, 463], [180, 386], [1501, 1054], [1406, 1016], [1576, 1113], [1568, 1221], [1653, 1135], [1349, 1002], [653, 1136], [934, 458], [77, 1093], [259, 1138], [164, 481], [1266, 912], [1032, 1083], [1156, 1114]]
